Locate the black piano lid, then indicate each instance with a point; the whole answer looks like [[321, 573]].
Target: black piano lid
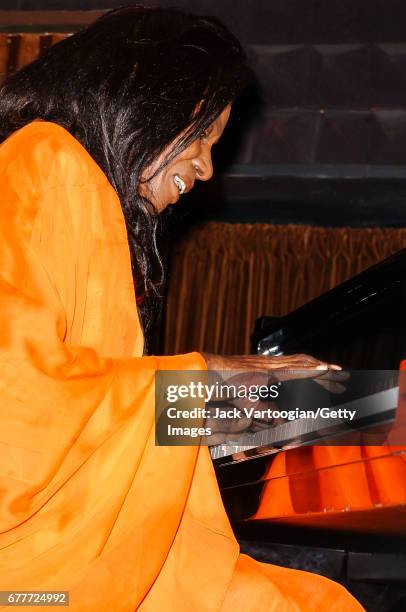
[[359, 324]]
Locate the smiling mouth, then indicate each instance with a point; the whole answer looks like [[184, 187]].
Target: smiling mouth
[[180, 184]]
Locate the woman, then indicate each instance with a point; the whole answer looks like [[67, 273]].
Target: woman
[[102, 133]]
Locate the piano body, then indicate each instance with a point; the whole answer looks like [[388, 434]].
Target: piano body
[[348, 501]]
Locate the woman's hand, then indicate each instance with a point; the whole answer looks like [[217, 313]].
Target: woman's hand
[[255, 370], [286, 367], [259, 362]]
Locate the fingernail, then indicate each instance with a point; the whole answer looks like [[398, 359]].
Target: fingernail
[[322, 366], [335, 367]]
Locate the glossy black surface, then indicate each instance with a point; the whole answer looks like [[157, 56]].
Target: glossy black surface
[[359, 324]]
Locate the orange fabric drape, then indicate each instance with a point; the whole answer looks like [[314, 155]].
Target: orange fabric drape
[[224, 276], [89, 504]]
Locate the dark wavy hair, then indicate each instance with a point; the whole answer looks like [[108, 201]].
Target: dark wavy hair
[[126, 87]]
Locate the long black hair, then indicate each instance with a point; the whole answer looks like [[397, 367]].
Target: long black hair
[[126, 87]]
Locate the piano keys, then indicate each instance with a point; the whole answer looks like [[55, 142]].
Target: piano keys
[[376, 409]]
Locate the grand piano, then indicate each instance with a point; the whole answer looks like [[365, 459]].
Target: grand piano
[[296, 494]]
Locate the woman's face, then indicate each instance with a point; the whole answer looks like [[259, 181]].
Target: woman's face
[[179, 176]]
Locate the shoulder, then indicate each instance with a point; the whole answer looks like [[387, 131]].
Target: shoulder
[[51, 156], [48, 180]]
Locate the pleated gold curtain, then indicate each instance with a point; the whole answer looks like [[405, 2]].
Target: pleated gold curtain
[[223, 276], [16, 50]]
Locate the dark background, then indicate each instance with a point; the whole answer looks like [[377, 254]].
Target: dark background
[[321, 140]]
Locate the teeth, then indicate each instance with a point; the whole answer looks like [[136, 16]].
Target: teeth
[[181, 185]]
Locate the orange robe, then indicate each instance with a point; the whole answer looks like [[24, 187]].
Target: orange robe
[[89, 504]]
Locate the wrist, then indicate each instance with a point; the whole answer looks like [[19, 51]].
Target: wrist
[[213, 362]]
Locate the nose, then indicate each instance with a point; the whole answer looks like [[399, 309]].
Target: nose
[[203, 166]]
